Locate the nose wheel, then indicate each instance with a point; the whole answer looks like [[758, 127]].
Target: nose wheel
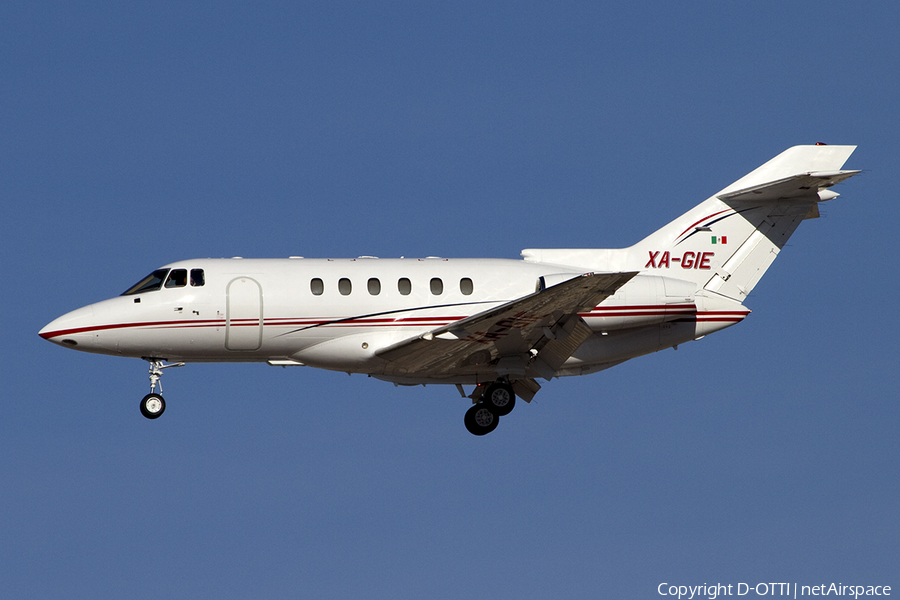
[[153, 405]]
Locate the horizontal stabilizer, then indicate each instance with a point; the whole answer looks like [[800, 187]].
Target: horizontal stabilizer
[[795, 186], [790, 163]]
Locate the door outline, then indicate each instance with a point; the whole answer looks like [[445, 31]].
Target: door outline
[[243, 315]]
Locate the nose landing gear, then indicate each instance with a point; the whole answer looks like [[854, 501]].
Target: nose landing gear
[[153, 405]]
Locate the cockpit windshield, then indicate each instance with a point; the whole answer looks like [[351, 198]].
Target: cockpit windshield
[[150, 283]]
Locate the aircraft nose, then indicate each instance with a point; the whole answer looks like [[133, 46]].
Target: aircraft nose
[[71, 329]]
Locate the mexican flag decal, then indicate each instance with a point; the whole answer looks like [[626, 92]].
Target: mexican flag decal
[[720, 239]]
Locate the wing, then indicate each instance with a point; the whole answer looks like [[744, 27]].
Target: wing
[[534, 334]]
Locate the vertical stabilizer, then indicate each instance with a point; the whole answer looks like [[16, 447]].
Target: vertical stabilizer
[[725, 244]]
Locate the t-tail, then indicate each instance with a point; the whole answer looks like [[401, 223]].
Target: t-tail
[[725, 244]]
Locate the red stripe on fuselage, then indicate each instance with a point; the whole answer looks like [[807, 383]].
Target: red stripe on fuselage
[[687, 310], [149, 324]]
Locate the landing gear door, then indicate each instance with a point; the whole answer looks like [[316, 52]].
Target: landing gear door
[[243, 315]]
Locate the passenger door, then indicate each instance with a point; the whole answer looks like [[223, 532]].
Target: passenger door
[[243, 315]]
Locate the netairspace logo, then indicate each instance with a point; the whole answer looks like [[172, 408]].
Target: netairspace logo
[[713, 591]]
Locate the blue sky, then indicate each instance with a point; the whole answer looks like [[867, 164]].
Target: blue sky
[[134, 134]]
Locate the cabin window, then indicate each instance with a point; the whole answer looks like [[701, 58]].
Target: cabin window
[[344, 286], [177, 278], [316, 286], [197, 277], [150, 283], [404, 286], [465, 286], [374, 286], [437, 286]]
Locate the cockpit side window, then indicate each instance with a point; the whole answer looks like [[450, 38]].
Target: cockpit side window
[[150, 283], [197, 277], [177, 278]]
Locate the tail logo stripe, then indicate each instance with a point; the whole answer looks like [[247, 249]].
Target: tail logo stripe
[[698, 228]]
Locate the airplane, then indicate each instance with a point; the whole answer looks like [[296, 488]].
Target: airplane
[[494, 325]]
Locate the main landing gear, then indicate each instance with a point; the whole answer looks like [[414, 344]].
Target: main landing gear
[[497, 401], [153, 405]]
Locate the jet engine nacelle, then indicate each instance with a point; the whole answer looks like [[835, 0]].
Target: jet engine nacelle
[[645, 300]]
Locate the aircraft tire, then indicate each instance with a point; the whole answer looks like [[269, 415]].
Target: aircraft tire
[[480, 420], [153, 406], [500, 398]]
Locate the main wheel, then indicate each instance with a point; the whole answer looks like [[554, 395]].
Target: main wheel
[[480, 420], [152, 406], [500, 398]]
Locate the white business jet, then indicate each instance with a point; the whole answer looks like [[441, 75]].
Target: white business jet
[[494, 325]]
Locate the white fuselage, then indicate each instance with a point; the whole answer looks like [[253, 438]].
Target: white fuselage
[[336, 314], [498, 324]]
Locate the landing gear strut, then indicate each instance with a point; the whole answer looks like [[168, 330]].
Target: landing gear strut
[[153, 405], [497, 401]]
